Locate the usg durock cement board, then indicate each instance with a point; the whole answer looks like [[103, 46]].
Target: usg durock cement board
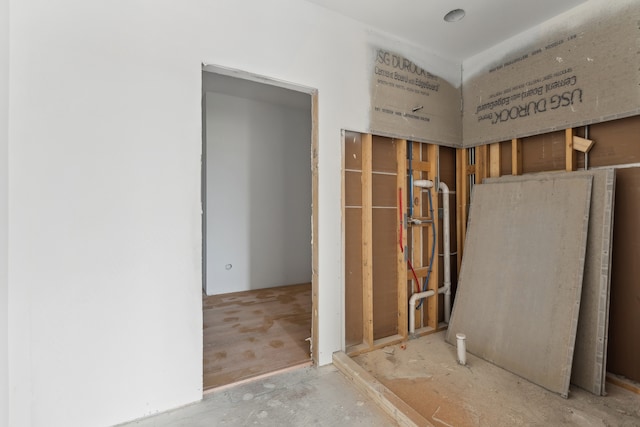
[[590, 356], [520, 282], [411, 102], [585, 70]]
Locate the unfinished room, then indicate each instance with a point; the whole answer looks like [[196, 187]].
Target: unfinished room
[[320, 212]]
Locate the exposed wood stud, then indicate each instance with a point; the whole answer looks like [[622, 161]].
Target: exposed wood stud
[[367, 240], [401, 157], [417, 256], [495, 159], [461, 201], [481, 163], [571, 154], [314, 228]]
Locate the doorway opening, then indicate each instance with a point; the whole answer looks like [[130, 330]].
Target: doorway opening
[[259, 198]]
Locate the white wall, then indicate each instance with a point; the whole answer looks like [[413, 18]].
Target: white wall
[[4, 135], [258, 194], [104, 187]]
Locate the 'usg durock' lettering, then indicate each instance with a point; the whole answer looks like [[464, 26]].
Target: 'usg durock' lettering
[[402, 64], [531, 108]]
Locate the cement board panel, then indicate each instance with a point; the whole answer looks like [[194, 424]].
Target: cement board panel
[[519, 289], [590, 355], [568, 75], [408, 101]]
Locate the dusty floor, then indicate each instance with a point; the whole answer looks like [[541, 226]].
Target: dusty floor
[[427, 376], [251, 333], [302, 397]]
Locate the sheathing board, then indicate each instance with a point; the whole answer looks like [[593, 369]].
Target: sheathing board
[[353, 239], [624, 345], [590, 355], [409, 101], [521, 276], [583, 70], [384, 225]]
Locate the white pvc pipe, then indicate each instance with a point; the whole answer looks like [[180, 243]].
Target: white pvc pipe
[[462, 348], [423, 183], [412, 308], [446, 239]]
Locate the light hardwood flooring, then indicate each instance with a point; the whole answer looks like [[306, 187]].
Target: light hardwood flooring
[[248, 334]]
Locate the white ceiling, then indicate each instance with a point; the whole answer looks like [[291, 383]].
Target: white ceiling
[[487, 22]]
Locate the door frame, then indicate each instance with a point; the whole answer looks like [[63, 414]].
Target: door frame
[[245, 75]]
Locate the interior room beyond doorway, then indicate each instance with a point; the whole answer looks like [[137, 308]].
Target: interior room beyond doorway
[[257, 224]]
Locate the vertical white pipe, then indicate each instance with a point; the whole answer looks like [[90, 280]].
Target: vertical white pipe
[[462, 348], [412, 308], [446, 239]]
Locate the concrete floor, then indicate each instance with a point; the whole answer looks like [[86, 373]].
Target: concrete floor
[[301, 397]]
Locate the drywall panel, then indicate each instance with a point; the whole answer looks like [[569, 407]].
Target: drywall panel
[[581, 67], [413, 103], [590, 354], [624, 323], [519, 288], [4, 142], [258, 194]]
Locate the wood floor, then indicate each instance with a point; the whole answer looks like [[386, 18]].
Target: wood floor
[[248, 334]]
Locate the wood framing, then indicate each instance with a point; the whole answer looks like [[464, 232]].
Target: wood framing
[[495, 160], [482, 160], [571, 154], [367, 240], [401, 183], [462, 197], [416, 256], [314, 227]]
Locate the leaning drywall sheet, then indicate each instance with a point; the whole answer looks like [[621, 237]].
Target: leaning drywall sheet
[[519, 289], [590, 355]]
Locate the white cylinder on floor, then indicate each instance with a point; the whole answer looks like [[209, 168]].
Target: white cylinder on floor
[[462, 348]]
